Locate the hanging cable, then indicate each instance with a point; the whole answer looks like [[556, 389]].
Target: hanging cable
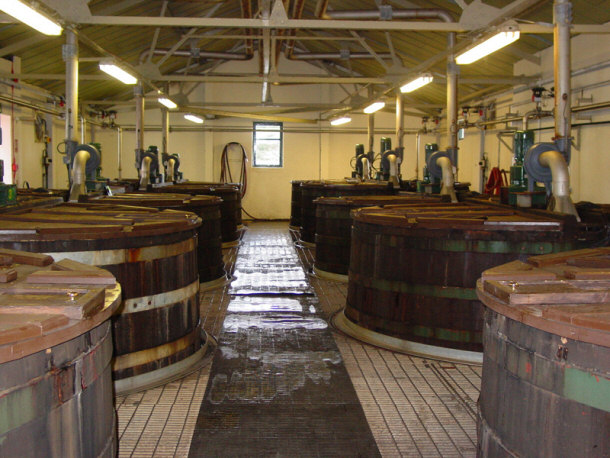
[[225, 167], [225, 171], [497, 179]]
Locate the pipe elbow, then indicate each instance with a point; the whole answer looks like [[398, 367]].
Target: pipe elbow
[[448, 182], [145, 171]]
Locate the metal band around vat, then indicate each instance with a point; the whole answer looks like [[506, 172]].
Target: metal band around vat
[[148, 355], [213, 284], [163, 375], [330, 275], [341, 322], [22, 404], [451, 292], [140, 304], [475, 246], [123, 255], [578, 384]]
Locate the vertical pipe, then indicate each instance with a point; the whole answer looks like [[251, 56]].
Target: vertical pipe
[[562, 12], [119, 150], [400, 121], [452, 102], [371, 126], [417, 146], [371, 131], [83, 127], [138, 92], [165, 131], [70, 56]]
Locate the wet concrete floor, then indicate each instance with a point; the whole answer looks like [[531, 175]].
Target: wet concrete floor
[[278, 385]]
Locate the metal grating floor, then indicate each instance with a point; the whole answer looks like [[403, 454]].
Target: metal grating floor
[[414, 407]]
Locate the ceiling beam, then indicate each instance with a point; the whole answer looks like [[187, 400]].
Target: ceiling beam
[[319, 24]]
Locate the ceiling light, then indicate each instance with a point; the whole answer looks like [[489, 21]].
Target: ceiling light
[[340, 121], [418, 82], [193, 118], [167, 102], [373, 107], [498, 41], [30, 17], [117, 72]]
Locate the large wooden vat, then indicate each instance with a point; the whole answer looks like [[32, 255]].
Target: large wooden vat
[[56, 396], [295, 204], [334, 228], [230, 208], [311, 190], [413, 271], [545, 389], [153, 254], [209, 243]]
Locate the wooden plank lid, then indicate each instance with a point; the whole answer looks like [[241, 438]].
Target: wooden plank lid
[[44, 305], [567, 294]]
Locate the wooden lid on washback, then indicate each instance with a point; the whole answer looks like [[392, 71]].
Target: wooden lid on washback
[[43, 304], [567, 294]]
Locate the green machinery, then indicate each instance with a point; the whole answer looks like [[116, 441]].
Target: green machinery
[[518, 192], [8, 192], [96, 182], [429, 184]]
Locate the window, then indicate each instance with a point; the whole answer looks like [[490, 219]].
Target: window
[[267, 151]]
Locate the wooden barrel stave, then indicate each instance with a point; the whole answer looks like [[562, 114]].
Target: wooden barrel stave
[[295, 203], [521, 364], [416, 282], [209, 246], [312, 190], [56, 396], [158, 268], [545, 388], [230, 207]]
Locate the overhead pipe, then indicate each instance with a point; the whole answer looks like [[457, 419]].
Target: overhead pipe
[[84, 161], [70, 56], [202, 54], [561, 202], [366, 168], [452, 71], [548, 162], [534, 114], [145, 166], [336, 55], [297, 12], [447, 181]]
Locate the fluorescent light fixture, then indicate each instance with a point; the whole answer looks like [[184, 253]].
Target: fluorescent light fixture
[[167, 102], [30, 17], [117, 72], [418, 82], [193, 118], [340, 121], [490, 45], [373, 107]]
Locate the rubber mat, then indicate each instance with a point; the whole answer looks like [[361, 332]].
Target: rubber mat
[[278, 385]]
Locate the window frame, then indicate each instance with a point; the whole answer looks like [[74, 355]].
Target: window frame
[[280, 140]]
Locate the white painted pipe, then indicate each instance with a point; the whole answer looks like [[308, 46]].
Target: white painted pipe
[[70, 55], [366, 169], [171, 164], [79, 175], [119, 149], [393, 170], [447, 183], [561, 202], [145, 172]]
